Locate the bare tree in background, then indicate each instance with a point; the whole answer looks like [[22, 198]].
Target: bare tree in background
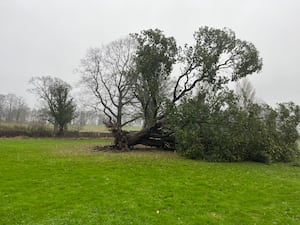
[[105, 72], [246, 92], [2, 106], [13, 108]]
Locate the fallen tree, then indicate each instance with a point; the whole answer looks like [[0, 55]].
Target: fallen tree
[[154, 136], [216, 58]]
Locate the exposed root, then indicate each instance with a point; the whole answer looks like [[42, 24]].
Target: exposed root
[[113, 148]]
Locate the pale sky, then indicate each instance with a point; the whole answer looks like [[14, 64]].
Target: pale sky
[[49, 37]]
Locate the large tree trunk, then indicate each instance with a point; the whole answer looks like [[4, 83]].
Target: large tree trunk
[[154, 136]]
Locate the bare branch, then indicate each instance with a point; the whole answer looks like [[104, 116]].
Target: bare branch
[[106, 74]]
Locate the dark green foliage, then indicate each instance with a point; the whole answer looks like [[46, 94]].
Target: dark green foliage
[[213, 44], [288, 117], [214, 127], [59, 105], [154, 60], [217, 57]]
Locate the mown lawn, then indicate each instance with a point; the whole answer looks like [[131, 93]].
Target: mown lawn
[[50, 181]]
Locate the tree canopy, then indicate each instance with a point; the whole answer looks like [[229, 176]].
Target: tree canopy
[[154, 60], [182, 95], [59, 104]]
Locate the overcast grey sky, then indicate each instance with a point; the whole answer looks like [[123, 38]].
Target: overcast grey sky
[[49, 37]]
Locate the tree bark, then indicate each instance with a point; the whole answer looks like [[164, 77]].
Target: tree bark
[[154, 136]]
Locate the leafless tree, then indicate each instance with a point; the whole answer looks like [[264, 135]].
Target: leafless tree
[[88, 117], [2, 106], [13, 108], [105, 72], [246, 93]]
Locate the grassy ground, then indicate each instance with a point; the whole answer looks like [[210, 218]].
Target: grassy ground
[[48, 181]]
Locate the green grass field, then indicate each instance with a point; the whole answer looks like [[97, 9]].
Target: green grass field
[[57, 181]]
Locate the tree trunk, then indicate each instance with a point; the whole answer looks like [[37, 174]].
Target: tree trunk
[[60, 132], [154, 136]]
